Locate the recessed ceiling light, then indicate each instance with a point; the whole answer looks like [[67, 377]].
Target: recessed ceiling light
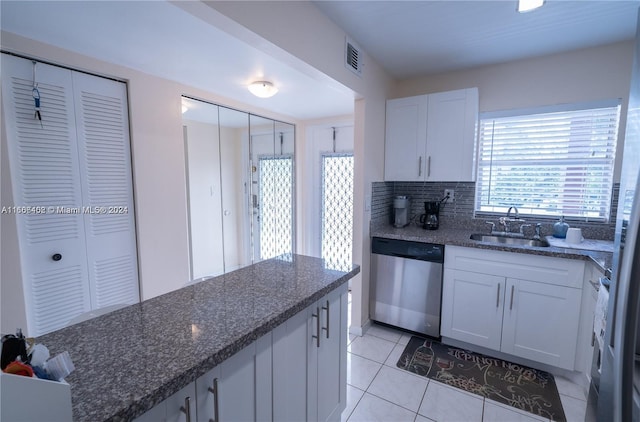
[[529, 5], [262, 89]]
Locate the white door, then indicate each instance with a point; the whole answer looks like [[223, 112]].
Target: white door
[[71, 182], [541, 322], [329, 177], [43, 159], [472, 307], [104, 152]]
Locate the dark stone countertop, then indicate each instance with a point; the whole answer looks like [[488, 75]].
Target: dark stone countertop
[[460, 237], [133, 358]]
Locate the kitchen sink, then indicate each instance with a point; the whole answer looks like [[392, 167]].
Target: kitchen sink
[[508, 240]]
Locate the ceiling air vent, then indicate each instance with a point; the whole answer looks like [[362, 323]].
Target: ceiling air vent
[[353, 58]]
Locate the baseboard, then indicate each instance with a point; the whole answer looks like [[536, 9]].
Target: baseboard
[[360, 330]]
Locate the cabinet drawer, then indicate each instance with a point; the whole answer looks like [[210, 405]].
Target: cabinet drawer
[[542, 269]]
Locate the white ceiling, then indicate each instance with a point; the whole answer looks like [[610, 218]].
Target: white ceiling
[[408, 38], [416, 38]]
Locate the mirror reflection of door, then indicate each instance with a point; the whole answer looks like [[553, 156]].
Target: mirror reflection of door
[[204, 193], [234, 150], [272, 147], [240, 187]]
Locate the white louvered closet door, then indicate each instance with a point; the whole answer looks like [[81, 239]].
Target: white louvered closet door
[[45, 173], [77, 159], [105, 165]]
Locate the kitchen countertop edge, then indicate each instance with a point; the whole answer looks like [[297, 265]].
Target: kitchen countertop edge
[[460, 237]]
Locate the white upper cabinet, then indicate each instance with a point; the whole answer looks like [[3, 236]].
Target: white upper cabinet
[[431, 137], [406, 139]]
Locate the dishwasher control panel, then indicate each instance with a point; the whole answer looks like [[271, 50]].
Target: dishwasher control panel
[[408, 249]]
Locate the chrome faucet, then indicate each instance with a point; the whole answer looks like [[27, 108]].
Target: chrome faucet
[[504, 221], [513, 208]]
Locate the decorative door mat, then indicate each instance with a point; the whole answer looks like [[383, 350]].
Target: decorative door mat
[[515, 385]]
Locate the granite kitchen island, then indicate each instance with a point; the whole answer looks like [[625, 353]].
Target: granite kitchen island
[[130, 360]]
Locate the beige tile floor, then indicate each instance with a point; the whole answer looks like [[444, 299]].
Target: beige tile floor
[[378, 391]]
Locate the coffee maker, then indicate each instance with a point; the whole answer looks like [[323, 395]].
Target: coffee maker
[[430, 218], [401, 210]]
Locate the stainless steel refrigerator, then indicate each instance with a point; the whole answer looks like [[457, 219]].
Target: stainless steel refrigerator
[[619, 386]]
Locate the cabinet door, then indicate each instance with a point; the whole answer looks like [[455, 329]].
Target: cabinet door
[[236, 387], [451, 129], [206, 400], [231, 386], [290, 342], [174, 408], [472, 306], [330, 388], [327, 357], [405, 141], [178, 403], [541, 322]]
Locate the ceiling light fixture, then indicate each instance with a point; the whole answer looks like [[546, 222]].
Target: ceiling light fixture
[[529, 5], [262, 89]]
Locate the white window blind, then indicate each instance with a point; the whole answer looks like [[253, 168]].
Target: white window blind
[[548, 163]]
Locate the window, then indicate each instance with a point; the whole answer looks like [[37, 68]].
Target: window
[[548, 162]]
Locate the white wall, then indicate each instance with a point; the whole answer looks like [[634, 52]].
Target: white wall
[[578, 76]]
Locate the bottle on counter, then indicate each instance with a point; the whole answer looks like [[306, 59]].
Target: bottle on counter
[[560, 228]]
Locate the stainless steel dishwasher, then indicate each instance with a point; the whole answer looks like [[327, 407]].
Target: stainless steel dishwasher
[[406, 284]]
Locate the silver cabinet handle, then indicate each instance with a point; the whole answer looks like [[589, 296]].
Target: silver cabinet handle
[[498, 297], [511, 304], [429, 166], [214, 390], [420, 166], [327, 327], [186, 409], [317, 317]]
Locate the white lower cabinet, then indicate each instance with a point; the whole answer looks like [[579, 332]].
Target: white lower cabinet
[[523, 305], [180, 407], [309, 362], [296, 372], [472, 306], [541, 322], [328, 359], [238, 389]]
